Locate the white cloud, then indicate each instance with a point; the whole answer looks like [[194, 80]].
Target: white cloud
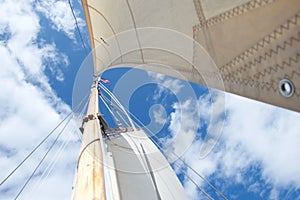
[[257, 136], [270, 135], [159, 116], [184, 122], [257, 144], [29, 107], [165, 84], [52, 59], [61, 16]]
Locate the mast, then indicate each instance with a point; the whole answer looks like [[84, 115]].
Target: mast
[[90, 180]]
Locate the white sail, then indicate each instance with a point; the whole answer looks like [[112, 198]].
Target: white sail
[[250, 48], [139, 169]]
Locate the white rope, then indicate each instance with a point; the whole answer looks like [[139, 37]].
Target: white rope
[[109, 109], [51, 166], [119, 104], [55, 158]]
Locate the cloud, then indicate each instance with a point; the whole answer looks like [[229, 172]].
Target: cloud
[[257, 144], [184, 123], [29, 107], [258, 149], [52, 59], [60, 14], [166, 85], [270, 135]]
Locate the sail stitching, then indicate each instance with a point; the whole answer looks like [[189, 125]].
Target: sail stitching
[[272, 85], [292, 22], [234, 12], [266, 55], [288, 63], [199, 11], [136, 32], [206, 33]]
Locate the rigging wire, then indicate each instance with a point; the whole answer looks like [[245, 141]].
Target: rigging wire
[[32, 151], [105, 100], [57, 155], [178, 157], [122, 118], [77, 26], [82, 112], [41, 161], [108, 108], [21, 163], [202, 177], [188, 176], [119, 104], [51, 165], [114, 116]]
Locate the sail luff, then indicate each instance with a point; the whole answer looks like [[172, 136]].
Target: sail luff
[[90, 179]]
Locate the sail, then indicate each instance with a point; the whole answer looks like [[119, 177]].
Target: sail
[[249, 48], [138, 169]]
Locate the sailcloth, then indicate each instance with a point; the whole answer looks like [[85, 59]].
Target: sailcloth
[[246, 47]]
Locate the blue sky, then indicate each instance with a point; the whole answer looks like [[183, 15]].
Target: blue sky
[[256, 154]]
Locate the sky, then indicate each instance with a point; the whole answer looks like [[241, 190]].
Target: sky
[[256, 146]]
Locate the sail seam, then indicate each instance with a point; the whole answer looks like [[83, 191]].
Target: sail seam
[[206, 33], [292, 22], [111, 28], [267, 55], [135, 29], [151, 173], [233, 12], [272, 85], [199, 11]]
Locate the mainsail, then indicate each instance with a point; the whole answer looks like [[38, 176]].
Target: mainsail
[[249, 48]]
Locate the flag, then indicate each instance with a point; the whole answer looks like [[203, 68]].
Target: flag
[[103, 80]]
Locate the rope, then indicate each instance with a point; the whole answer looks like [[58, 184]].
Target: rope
[[56, 157], [202, 190], [119, 104], [108, 108], [19, 165], [106, 101], [76, 23], [51, 132], [51, 165], [122, 118], [213, 187], [36, 168]]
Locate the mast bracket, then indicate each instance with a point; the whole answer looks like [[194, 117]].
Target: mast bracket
[[85, 120]]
